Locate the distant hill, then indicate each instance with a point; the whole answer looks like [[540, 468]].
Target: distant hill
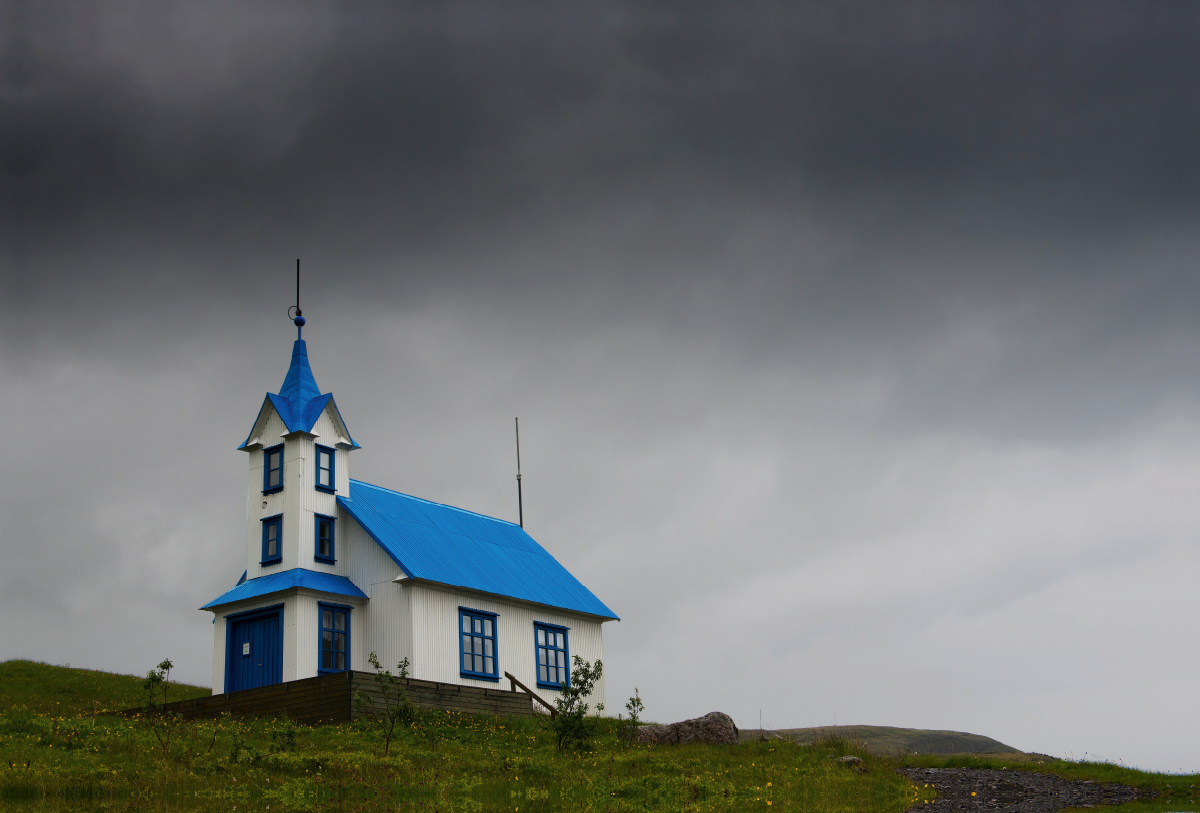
[[887, 740], [47, 689]]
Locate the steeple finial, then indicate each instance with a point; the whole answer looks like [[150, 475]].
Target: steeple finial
[[299, 320]]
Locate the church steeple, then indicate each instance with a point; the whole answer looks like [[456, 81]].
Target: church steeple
[[299, 401], [298, 452]]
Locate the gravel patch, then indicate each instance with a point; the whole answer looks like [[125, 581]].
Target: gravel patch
[[1015, 791]]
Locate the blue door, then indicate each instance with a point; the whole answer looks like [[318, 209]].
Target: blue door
[[255, 650]]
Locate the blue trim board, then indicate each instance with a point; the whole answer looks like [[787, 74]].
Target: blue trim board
[[255, 611], [550, 626], [450, 546], [287, 580]]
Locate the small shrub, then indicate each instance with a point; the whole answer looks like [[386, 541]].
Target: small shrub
[[392, 705], [635, 707], [162, 723], [571, 726]]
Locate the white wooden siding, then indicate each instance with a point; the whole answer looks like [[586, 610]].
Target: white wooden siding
[[315, 502], [308, 631], [276, 503], [435, 626], [299, 501], [388, 629]]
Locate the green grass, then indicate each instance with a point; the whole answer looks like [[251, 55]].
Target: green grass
[[58, 690], [53, 758]]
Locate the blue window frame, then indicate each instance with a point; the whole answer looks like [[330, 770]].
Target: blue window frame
[[335, 638], [478, 658], [325, 550], [553, 658], [272, 540], [273, 469], [325, 469]]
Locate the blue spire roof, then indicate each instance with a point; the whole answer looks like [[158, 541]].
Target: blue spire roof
[[299, 402], [299, 385]]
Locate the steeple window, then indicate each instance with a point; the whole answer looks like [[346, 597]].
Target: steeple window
[[326, 458], [272, 540], [273, 469], [325, 552]]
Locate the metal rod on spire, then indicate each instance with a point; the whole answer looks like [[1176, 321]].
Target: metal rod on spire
[[298, 320], [520, 506]]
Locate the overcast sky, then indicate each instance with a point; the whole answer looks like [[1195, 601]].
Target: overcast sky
[[855, 346]]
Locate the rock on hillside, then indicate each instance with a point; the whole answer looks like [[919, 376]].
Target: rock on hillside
[[714, 728], [888, 740]]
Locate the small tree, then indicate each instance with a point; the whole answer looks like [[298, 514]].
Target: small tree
[[635, 709], [389, 704], [570, 725], [159, 676], [154, 711]]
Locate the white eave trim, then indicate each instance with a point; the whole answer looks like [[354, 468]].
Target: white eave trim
[[299, 433]]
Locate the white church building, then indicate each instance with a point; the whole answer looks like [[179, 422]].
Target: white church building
[[337, 568]]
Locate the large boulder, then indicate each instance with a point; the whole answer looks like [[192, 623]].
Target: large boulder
[[714, 728]]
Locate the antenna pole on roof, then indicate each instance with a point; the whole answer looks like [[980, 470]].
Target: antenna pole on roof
[[520, 506], [298, 320]]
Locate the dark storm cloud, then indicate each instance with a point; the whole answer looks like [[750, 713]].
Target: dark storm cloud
[[209, 140], [928, 138], [431, 120]]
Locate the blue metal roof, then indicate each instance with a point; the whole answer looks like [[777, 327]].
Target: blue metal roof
[[300, 402], [277, 582], [440, 543]]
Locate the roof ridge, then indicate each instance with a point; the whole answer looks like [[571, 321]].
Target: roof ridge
[[438, 504]]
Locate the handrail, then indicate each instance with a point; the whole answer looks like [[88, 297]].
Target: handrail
[[537, 697]]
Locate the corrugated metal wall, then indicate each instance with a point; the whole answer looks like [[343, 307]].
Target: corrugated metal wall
[[308, 632], [386, 618], [276, 503], [434, 615], [299, 501]]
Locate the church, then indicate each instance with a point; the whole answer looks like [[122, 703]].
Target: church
[[336, 568]]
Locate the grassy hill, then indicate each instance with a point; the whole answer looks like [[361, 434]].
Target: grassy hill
[[60, 690], [55, 756], [898, 741], [54, 762]]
